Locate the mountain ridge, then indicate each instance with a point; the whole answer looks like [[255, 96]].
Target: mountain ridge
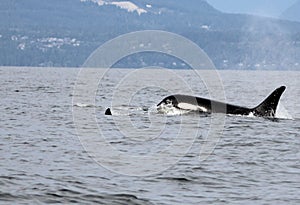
[[44, 33], [292, 13]]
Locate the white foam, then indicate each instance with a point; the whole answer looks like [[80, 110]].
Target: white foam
[[251, 114], [83, 105], [282, 113], [171, 110]]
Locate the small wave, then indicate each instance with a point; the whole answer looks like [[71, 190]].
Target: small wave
[[83, 105], [7, 197], [180, 179], [70, 196]]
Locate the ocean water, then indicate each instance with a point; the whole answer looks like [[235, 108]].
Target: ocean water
[[56, 145]]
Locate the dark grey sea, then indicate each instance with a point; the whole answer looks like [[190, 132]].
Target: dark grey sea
[[53, 151]]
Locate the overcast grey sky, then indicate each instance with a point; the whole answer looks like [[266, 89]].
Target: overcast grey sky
[[272, 8]]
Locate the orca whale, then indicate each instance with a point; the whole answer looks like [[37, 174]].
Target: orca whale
[[188, 103]]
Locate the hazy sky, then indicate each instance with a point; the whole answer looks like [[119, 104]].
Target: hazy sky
[[272, 8]]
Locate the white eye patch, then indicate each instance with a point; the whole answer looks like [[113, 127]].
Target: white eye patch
[[187, 106]]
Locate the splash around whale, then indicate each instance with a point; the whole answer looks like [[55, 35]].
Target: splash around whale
[[186, 104]]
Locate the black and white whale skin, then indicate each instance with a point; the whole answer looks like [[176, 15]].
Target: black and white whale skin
[[186, 103]]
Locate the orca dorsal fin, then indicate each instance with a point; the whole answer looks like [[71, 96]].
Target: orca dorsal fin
[[268, 107]]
